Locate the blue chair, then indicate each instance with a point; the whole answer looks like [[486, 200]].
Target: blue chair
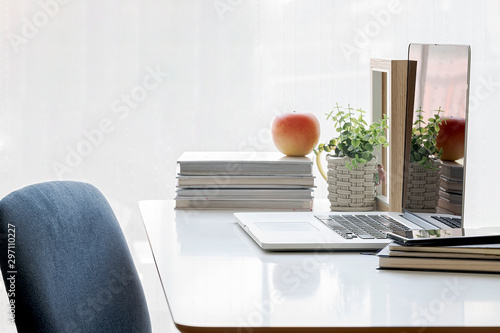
[[70, 269]]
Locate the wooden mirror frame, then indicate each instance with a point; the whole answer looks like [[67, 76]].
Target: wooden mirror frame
[[388, 94]]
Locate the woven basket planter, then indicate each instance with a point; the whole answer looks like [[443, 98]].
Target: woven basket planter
[[423, 187], [351, 190]]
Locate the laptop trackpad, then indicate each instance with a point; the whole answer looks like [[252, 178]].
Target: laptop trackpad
[[285, 226]]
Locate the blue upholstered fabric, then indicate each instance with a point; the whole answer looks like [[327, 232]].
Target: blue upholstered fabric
[[74, 269]]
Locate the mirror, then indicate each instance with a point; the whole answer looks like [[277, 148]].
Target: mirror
[[380, 109], [438, 81], [388, 98]]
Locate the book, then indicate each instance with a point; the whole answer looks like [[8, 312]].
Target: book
[[452, 197], [260, 204], [249, 187], [451, 185], [492, 249], [437, 261], [452, 170], [440, 210], [454, 208], [242, 163], [223, 181], [242, 193], [457, 255]]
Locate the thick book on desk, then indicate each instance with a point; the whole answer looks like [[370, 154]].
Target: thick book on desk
[[491, 249], [244, 193], [242, 163], [223, 181], [439, 261], [258, 204]]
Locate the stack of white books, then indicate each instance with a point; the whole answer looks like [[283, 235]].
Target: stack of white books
[[466, 258], [451, 188], [244, 180]]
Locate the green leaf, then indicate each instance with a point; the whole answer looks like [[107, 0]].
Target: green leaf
[[355, 136], [423, 140]]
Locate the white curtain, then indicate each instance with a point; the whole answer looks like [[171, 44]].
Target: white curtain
[[112, 92]]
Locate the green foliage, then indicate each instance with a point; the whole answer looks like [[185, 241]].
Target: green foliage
[[423, 139], [356, 139]]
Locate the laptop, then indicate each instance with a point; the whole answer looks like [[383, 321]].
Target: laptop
[[298, 231]]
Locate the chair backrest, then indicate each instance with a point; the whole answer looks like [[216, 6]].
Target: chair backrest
[[70, 269]]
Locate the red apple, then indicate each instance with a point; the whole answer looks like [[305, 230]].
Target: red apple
[[451, 138], [295, 134]]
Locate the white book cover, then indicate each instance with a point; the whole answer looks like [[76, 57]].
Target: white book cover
[[240, 157], [242, 163]]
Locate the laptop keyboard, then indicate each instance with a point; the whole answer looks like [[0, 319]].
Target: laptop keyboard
[[452, 222], [361, 226]]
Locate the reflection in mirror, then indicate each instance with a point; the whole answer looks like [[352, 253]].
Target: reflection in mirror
[[379, 110], [439, 111]]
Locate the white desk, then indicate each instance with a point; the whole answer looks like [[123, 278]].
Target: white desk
[[216, 279]]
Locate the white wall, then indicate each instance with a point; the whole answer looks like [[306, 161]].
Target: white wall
[[112, 92]]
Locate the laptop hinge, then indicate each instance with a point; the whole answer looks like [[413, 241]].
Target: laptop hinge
[[421, 222]]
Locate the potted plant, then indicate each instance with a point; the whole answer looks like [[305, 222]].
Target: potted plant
[[424, 150], [352, 166], [424, 172]]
